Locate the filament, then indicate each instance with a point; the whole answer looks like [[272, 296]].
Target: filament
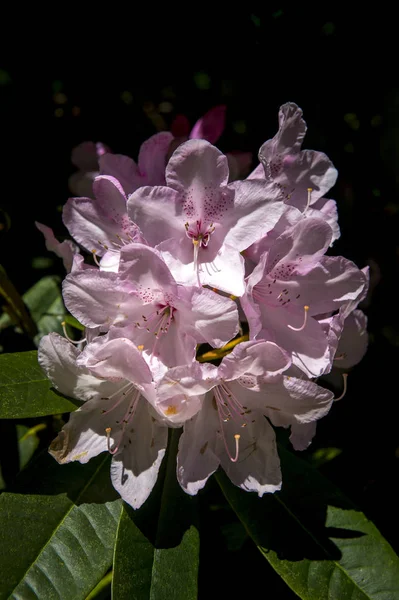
[[305, 319], [345, 378]]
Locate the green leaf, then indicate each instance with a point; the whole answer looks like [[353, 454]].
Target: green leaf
[[314, 537], [25, 391], [57, 530], [13, 306], [45, 305], [27, 444], [157, 548]]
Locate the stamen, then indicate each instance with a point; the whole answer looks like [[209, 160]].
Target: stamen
[[108, 432], [63, 325], [310, 190], [94, 252], [196, 245], [302, 327], [345, 378], [237, 439]]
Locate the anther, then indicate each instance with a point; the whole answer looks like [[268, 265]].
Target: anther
[[345, 378], [302, 327]]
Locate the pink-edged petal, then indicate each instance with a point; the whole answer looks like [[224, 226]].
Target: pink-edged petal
[[210, 127], [248, 360], [134, 470], [289, 138], [326, 209], [258, 466], [289, 217], [336, 281], [257, 208], [299, 248], [353, 342], [309, 346], [300, 400], [195, 169], [83, 437], [65, 250], [178, 409], [157, 212], [144, 267], [99, 224], [209, 317], [194, 379], [152, 158], [94, 298], [57, 357], [115, 356], [124, 169], [310, 170], [197, 458]]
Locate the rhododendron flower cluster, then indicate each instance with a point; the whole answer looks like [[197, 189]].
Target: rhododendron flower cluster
[[184, 256]]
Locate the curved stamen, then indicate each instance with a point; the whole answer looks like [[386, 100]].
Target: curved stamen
[[63, 325], [94, 252], [345, 378], [237, 439], [302, 327]]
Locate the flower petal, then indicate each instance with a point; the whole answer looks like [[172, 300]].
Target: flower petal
[[195, 168], [134, 470], [197, 458], [152, 158], [157, 211], [258, 466], [210, 127], [65, 250], [57, 357]]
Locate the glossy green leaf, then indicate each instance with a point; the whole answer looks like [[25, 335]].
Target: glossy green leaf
[[13, 306], [314, 537], [28, 442], [157, 549], [57, 530], [25, 391], [45, 305]]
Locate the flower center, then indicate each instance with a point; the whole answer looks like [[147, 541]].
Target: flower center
[[200, 234]]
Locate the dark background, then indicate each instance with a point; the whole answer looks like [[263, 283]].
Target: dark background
[[66, 78]]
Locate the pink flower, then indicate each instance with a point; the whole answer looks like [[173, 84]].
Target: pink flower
[[200, 222], [118, 413], [150, 169], [102, 226], [230, 429], [304, 176], [293, 287], [166, 319]]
